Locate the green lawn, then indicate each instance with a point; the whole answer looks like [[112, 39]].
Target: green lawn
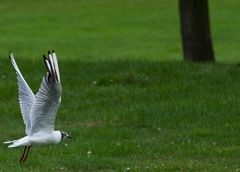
[[108, 29], [91, 29], [133, 114], [128, 100]]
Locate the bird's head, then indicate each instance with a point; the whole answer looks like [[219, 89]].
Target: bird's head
[[65, 135]]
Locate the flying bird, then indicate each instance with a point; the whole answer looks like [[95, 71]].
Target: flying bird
[[39, 111]]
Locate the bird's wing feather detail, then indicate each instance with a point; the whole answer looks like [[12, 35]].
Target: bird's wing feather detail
[[25, 97], [47, 99], [56, 67]]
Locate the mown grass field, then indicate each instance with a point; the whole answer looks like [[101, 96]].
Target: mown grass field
[[95, 30], [128, 100], [142, 115]]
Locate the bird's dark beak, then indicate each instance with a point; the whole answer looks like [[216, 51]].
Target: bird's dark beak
[[70, 137]]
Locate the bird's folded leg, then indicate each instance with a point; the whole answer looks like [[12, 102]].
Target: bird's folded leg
[[24, 158], [23, 154]]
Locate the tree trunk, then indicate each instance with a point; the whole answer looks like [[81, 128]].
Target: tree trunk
[[195, 30]]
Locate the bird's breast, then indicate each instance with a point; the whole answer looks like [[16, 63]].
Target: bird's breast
[[44, 139]]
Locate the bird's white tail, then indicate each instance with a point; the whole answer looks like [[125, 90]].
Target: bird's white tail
[[13, 143], [9, 142], [20, 142]]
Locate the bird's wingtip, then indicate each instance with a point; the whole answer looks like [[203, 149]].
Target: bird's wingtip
[[11, 58], [10, 54], [44, 57]]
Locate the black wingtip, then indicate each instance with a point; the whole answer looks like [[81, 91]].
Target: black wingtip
[[49, 52], [53, 51], [10, 52], [44, 57]]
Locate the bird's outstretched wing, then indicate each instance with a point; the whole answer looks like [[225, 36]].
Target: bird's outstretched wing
[[25, 95], [48, 98]]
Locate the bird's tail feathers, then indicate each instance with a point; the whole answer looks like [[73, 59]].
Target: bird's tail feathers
[[13, 145], [9, 142], [17, 143]]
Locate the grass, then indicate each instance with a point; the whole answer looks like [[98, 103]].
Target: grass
[[96, 30], [142, 115], [92, 30], [128, 99]]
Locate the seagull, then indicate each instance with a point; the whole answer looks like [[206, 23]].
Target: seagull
[[39, 111]]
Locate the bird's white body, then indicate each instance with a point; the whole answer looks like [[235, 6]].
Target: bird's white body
[[39, 111], [38, 139]]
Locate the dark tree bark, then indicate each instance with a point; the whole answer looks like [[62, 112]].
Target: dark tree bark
[[195, 30]]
